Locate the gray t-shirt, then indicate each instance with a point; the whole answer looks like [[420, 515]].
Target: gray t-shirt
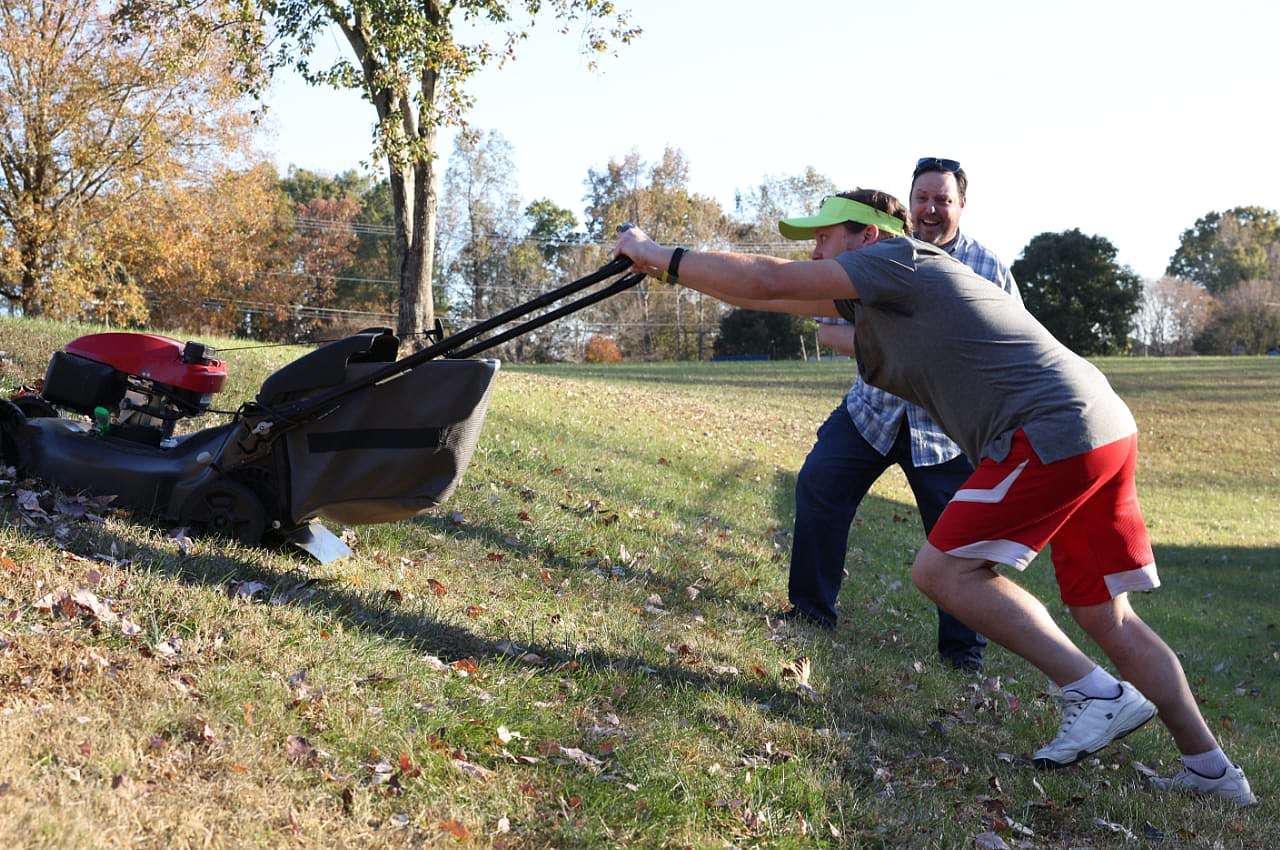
[[931, 331]]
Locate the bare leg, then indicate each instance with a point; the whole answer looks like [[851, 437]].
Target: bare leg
[[1145, 660], [991, 604]]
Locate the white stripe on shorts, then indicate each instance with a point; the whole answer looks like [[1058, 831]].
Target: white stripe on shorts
[[1011, 552], [995, 494], [1133, 581]]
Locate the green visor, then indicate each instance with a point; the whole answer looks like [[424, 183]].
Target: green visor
[[836, 210]]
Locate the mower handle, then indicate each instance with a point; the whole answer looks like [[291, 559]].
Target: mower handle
[[311, 404]]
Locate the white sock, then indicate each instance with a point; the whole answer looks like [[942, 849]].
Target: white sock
[[1098, 683], [1211, 764]]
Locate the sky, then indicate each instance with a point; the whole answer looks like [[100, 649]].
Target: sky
[[1127, 119]]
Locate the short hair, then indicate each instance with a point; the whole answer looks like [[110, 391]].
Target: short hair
[[962, 181], [882, 201]]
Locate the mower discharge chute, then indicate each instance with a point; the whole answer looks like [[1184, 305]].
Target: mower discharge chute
[[347, 432]]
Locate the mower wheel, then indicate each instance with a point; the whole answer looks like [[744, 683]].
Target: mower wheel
[[35, 407], [225, 508], [11, 419]]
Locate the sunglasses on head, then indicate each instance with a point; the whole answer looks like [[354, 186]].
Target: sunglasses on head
[[932, 163]]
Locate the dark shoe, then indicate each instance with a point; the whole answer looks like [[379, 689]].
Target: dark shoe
[[963, 663], [799, 615]]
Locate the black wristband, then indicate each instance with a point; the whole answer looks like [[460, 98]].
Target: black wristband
[[673, 268]]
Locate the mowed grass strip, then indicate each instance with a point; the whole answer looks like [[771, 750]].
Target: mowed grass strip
[[577, 650]]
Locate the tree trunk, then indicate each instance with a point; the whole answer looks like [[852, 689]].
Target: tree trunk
[[32, 274]]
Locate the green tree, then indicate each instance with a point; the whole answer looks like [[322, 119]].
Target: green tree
[[480, 222], [411, 66], [302, 186], [1222, 250], [1072, 283], [751, 332]]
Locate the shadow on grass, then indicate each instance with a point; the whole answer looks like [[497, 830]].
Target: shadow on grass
[[369, 613]]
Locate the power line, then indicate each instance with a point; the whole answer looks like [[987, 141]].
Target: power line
[[370, 228]]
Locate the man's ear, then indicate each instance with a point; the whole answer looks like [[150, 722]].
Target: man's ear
[[870, 234]]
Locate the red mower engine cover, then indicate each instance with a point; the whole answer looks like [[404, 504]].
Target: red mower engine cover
[[155, 358]]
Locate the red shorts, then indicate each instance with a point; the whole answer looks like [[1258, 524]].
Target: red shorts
[[1086, 506]]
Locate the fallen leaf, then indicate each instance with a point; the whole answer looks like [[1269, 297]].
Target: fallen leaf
[[202, 732], [454, 828], [297, 749], [1144, 770], [579, 757], [495, 556], [436, 587], [1118, 828], [245, 589], [474, 611], [183, 542], [473, 771], [435, 663], [990, 841], [91, 603], [465, 666]]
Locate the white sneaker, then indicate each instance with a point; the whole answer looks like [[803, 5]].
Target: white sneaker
[[1231, 785], [1091, 723]]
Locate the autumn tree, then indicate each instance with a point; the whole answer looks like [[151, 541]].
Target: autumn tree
[[1246, 320], [91, 114], [411, 64], [669, 322], [217, 256], [1072, 283], [353, 209], [1223, 250]]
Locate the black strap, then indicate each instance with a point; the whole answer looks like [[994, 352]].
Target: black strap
[[374, 438], [673, 268]]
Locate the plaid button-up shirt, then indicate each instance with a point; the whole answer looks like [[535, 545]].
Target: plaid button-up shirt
[[878, 415]]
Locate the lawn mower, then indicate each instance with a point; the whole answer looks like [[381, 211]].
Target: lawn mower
[[347, 432]]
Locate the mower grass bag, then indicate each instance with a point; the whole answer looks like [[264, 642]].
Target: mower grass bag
[[396, 449]]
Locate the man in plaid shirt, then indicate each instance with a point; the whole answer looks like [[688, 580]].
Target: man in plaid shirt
[[873, 430]]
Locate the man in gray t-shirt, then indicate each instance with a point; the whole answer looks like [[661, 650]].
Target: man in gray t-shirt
[[1055, 450]]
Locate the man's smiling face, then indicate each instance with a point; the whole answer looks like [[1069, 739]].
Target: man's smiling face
[[936, 207]]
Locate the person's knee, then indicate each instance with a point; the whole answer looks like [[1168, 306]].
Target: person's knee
[[930, 573], [1104, 619]]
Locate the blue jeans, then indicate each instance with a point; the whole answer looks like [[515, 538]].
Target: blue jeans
[[838, 472]]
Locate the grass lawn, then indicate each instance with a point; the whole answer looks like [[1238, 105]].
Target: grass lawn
[[576, 651]]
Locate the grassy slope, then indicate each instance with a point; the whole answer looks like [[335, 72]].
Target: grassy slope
[[596, 490]]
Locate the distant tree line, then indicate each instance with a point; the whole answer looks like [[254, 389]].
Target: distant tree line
[[130, 194]]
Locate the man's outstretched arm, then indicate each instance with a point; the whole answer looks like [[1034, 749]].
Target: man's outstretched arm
[[746, 278]]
